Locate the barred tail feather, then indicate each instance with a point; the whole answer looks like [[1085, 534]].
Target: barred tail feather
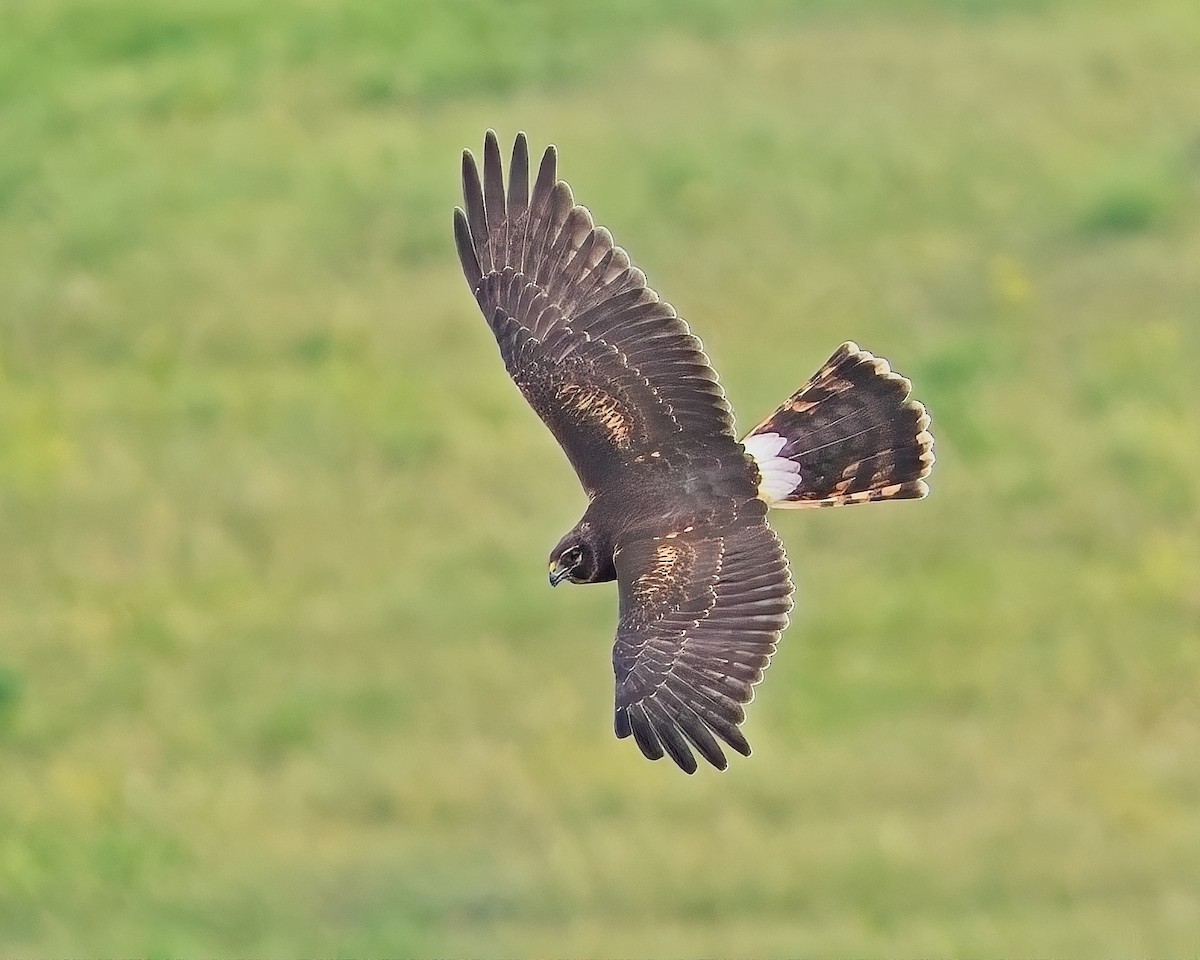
[[849, 435]]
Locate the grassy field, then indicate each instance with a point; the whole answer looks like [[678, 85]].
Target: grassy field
[[279, 669]]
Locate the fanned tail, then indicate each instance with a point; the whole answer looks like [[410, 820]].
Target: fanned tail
[[849, 435]]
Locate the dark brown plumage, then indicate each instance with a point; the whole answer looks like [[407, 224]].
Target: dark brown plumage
[[677, 505]]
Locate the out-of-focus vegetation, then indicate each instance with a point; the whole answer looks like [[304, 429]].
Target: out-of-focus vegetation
[[279, 669]]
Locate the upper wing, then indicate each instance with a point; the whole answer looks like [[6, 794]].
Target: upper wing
[[610, 368], [701, 613]]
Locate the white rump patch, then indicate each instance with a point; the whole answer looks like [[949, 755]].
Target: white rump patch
[[780, 476]]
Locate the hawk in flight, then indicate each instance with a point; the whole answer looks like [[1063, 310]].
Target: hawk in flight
[[677, 505]]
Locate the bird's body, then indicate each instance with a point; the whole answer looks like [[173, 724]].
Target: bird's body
[[677, 505], [674, 487]]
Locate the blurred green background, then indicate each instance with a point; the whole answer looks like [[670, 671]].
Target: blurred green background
[[279, 669]]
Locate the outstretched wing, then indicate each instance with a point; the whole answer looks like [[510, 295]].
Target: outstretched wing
[[610, 368], [701, 613]]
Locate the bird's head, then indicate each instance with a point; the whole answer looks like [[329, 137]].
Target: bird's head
[[580, 558], [572, 560]]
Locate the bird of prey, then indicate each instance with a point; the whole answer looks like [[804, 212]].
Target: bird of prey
[[677, 505]]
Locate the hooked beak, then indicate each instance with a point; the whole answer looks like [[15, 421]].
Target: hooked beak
[[558, 574]]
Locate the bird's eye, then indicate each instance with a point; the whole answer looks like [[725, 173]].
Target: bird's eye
[[572, 556]]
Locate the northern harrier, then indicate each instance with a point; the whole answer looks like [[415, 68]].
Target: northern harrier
[[676, 503]]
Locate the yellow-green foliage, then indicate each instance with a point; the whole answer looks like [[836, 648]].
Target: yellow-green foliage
[[279, 669]]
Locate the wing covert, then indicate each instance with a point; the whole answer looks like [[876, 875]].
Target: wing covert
[[612, 369], [701, 612]]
